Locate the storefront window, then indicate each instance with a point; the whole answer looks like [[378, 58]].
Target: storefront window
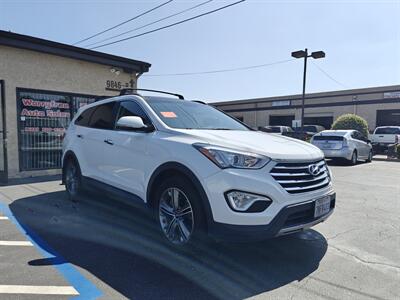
[[43, 118], [78, 102]]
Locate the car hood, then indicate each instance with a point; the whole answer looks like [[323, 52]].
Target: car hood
[[276, 147]]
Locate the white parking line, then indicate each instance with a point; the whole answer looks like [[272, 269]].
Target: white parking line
[[38, 290], [15, 243], [3, 218]]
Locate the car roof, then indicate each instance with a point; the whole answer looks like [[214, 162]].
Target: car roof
[[336, 132], [135, 97]]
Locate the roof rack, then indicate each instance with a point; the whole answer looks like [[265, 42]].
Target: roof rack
[[132, 91]]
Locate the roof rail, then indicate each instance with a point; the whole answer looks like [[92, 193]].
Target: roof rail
[[199, 101], [132, 91]]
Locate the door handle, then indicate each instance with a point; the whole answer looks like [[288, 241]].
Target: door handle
[[80, 136], [110, 142]]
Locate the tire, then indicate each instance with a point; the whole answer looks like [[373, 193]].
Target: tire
[[182, 221], [354, 159], [369, 159], [73, 180]]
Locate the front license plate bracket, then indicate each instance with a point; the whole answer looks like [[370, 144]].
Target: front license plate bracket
[[322, 206]]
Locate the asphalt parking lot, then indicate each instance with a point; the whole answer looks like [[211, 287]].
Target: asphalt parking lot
[[51, 248]]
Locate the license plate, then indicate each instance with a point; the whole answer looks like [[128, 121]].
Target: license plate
[[322, 206]]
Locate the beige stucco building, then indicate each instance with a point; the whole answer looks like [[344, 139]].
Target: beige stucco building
[[42, 84], [380, 106]]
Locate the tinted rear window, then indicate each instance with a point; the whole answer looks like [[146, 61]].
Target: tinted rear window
[[103, 117], [387, 130], [328, 138], [84, 117]]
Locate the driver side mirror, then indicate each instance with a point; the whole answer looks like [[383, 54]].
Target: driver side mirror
[[133, 123]]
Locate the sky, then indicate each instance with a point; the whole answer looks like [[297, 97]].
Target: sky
[[361, 40]]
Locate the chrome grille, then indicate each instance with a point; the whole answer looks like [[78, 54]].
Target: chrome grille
[[298, 178]]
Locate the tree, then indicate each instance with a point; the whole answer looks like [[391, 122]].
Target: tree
[[351, 121]]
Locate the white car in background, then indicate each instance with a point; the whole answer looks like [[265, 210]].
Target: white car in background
[[196, 168], [351, 145], [384, 136]]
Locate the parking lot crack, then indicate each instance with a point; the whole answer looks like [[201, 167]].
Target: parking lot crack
[[341, 233], [364, 260]]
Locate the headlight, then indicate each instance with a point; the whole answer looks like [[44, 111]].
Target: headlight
[[228, 158]]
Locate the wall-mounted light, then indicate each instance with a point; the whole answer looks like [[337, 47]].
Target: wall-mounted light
[[115, 71]]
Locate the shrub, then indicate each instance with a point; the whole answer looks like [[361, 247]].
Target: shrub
[[351, 121]]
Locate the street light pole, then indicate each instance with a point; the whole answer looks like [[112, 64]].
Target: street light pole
[[304, 54], [304, 89]]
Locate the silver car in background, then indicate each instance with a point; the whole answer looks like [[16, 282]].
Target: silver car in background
[[350, 145]]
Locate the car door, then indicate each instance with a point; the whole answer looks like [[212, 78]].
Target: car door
[[96, 139], [365, 144], [129, 150], [362, 145], [81, 149]]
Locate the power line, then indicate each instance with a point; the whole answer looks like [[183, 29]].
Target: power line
[[329, 76], [129, 20], [222, 70], [152, 23], [170, 25]]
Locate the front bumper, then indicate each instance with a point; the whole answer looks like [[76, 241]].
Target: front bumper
[[290, 219]]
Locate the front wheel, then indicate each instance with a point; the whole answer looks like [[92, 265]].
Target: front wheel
[[179, 211], [369, 159]]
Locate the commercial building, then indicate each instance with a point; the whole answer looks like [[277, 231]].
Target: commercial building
[[380, 106], [42, 85]]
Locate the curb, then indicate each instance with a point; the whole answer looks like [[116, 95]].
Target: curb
[[386, 159]]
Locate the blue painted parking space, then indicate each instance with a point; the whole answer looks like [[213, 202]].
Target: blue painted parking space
[[79, 283]]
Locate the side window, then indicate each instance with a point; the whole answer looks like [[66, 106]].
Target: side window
[[361, 136], [130, 108], [103, 117], [84, 117], [358, 136]]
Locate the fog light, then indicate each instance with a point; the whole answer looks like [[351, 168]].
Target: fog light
[[247, 202]]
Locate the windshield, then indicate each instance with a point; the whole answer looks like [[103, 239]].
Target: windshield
[[193, 115], [387, 130]]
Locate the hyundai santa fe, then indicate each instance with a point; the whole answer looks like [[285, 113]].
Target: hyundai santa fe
[[196, 168]]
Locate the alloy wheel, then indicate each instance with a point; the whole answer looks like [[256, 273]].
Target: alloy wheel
[[354, 158], [176, 216], [370, 156], [71, 179]]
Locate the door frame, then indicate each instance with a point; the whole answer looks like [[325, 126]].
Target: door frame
[[3, 136]]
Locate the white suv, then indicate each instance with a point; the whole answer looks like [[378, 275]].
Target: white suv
[[197, 168]]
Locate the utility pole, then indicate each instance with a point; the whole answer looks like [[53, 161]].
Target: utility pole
[[303, 97]]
